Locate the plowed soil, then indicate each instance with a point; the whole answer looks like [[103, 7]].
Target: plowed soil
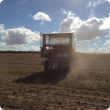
[[24, 85]]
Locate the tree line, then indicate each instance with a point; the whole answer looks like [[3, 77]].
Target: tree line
[[9, 51]]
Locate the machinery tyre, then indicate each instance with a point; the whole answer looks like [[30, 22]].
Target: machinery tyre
[[68, 67], [46, 65]]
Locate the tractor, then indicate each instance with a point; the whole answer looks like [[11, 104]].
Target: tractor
[[58, 49]]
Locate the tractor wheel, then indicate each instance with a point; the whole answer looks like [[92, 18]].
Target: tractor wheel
[[46, 65], [68, 65]]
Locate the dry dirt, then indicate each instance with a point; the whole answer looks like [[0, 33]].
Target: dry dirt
[[25, 86]]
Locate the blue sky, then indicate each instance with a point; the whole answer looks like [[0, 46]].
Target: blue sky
[[21, 22]]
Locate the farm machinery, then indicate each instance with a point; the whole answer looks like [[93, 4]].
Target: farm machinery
[[59, 49]]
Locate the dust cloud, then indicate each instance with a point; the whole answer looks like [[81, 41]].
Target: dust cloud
[[83, 63]]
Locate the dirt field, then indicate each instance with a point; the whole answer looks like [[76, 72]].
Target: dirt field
[[25, 86]]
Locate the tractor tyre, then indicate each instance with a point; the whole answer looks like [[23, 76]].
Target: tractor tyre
[[46, 65]]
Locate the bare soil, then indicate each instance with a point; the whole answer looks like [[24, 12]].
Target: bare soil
[[24, 85]]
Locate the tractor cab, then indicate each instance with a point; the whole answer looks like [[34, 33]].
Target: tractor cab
[[58, 48]]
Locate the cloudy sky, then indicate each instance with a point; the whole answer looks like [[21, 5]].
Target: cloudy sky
[[21, 22]]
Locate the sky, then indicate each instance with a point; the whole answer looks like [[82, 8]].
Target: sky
[[21, 22]]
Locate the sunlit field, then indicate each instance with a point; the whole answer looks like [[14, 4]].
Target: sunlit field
[[24, 85]]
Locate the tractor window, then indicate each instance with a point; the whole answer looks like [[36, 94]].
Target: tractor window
[[47, 39], [57, 39]]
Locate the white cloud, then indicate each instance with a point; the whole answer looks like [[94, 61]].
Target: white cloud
[[92, 14], [2, 44], [69, 13], [31, 48], [98, 50], [89, 4], [71, 23], [106, 23], [107, 42], [88, 45], [19, 36], [1, 1], [90, 29], [42, 22], [1, 27], [94, 3], [94, 50], [66, 24], [41, 16], [95, 44], [7, 49]]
